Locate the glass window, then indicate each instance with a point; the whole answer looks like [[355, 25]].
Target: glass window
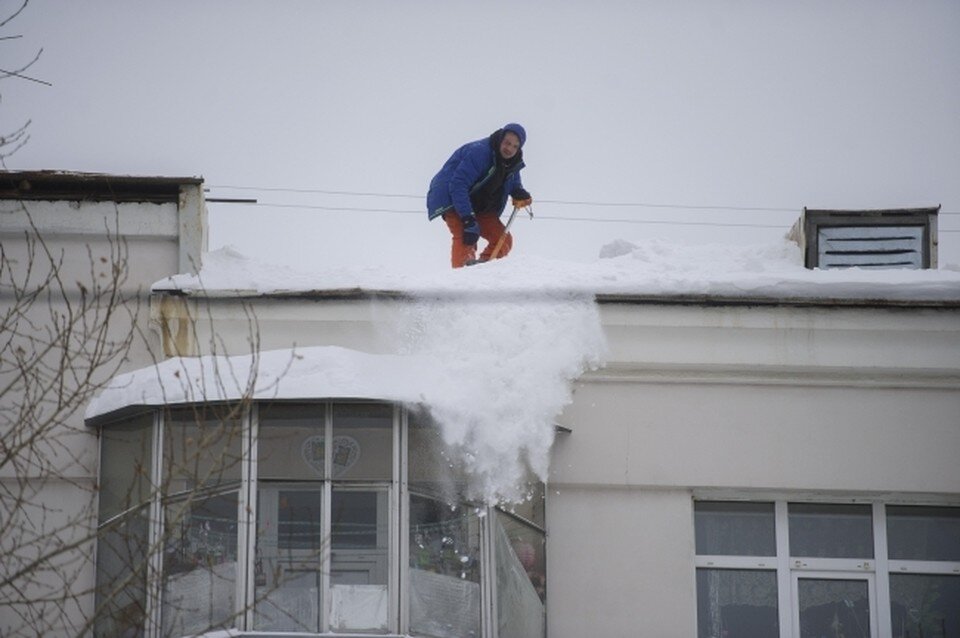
[[444, 569], [288, 566], [521, 578], [359, 560], [122, 539], [923, 533], [737, 603], [735, 529], [291, 444], [125, 461], [362, 446], [201, 448], [431, 468], [324, 538], [924, 605], [831, 531], [200, 564], [833, 607], [122, 556]]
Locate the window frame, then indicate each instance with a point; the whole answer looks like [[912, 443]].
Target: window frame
[[396, 488], [789, 569]]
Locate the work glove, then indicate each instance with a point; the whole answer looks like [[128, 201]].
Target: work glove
[[521, 198], [471, 231]]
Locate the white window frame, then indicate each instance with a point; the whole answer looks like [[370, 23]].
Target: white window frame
[[789, 569], [397, 534], [869, 578]]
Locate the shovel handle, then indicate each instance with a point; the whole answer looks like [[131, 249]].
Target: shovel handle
[[503, 237]]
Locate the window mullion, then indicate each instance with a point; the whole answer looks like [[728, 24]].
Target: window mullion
[[880, 554], [402, 573], [247, 517], [326, 526], [155, 532], [736, 562], [488, 575], [784, 580]]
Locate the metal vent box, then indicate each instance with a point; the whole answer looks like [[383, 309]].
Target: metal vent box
[[889, 238]]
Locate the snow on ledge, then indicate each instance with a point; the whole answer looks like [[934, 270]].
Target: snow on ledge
[[650, 268], [320, 372]]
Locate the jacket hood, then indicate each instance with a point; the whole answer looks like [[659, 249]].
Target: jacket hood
[[513, 127]]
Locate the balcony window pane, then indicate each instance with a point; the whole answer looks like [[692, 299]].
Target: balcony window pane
[[831, 531], [201, 448], [924, 605], [125, 461], [122, 553], [288, 565], [432, 468], [362, 446], [291, 538], [444, 569], [359, 560], [734, 529], [521, 578], [923, 533], [831, 607], [733, 603], [200, 565], [533, 508], [291, 443]]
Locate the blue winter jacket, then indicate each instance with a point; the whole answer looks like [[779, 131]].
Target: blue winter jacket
[[466, 170]]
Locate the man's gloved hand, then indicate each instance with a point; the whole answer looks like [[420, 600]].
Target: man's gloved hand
[[471, 231], [521, 198]]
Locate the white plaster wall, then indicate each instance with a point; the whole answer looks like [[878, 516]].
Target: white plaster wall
[[786, 437], [57, 485], [620, 563]]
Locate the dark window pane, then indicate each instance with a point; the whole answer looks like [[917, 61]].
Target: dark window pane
[[354, 523], [521, 578], [444, 569], [737, 603], [925, 605], [125, 461], [201, 448], [831, 531], [362, 446], [298, 520], [200, 565], [122, 554], [923, 533], [359, 566], [833, 607], [432, 468], [288, 567], [735, 529], [291, 445]]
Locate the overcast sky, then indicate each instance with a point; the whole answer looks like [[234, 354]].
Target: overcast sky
[[688, 111]]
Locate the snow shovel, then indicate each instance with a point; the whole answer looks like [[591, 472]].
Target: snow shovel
[[506, 229]]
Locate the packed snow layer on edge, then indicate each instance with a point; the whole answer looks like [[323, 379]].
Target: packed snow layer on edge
[[494, 376], [649, 268]]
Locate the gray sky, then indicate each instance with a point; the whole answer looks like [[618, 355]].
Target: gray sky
[[712, 105]]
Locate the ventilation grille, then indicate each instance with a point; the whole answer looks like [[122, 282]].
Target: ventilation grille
[[870, 246], [886, 238]]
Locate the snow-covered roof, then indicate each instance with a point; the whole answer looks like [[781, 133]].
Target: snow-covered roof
[[626, 270]]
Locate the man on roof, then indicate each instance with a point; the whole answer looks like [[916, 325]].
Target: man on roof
[[470, 193]]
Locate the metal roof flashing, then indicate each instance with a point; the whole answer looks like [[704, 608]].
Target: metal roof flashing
[[52, 185]]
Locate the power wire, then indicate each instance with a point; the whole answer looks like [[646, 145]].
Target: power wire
[[564, 202], [364, 209]]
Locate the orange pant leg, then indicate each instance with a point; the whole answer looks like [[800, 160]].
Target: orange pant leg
[[491, 229], [460, 254]]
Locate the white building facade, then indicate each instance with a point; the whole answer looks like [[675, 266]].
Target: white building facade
[[739, 466]]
